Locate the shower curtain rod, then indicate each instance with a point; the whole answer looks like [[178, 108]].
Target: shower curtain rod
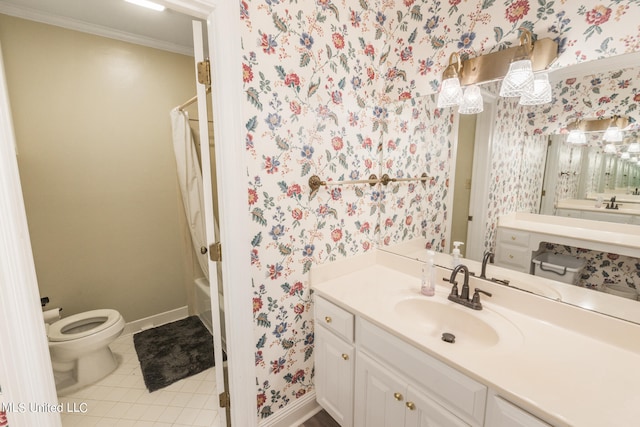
[[192, 100]]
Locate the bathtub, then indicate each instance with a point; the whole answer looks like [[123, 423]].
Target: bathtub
[[203, 304]]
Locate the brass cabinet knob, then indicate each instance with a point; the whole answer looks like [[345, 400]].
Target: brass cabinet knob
[[513, 237], [327, 319], [397, 396], [411, 406], [510, 256], [345, 356]]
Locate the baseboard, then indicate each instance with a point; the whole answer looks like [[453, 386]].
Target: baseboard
[[156, 320], [294, 413]]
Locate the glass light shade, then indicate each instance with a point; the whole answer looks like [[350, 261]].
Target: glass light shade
[[450, 93], [576, 136], [541, 93], [634, 159], [625, 156], [613, 134], [610, 149], [634, 147], [519, 79], [471, 101]]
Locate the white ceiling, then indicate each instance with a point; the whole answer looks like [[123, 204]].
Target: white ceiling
[[167, 30]]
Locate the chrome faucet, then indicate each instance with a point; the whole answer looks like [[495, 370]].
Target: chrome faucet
[[463, 298], [488, 257]]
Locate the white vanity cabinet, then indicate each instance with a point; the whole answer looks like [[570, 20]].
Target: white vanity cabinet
[[501, 413], [512, 250], [334, 360], [388, 399], [368, 377]]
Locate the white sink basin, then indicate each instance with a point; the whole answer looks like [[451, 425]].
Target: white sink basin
[[480, 328]]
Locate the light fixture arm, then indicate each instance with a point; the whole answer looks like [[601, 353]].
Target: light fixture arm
[[526, 45], [454, 68]]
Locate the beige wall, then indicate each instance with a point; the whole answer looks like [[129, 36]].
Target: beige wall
[[91, 117]]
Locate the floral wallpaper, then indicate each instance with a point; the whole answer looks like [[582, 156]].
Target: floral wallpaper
[[602, 268], [587, 97], [324, 83], [569, 166], [4, 422]]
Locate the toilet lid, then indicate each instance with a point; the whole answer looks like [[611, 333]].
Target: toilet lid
[[82, 324]]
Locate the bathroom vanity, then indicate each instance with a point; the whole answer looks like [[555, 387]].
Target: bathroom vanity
[[519, 236], [625, 213], [523, 360]]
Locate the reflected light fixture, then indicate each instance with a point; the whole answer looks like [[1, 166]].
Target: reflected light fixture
[[625, 156], [610, 148], [519, 78], [613, 132], [541, 93], [471, 101], [148, 4], [450, 90], [577, 137], [615, 124], [634, 148]]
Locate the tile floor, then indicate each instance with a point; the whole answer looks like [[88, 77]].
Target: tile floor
[[122, 400]]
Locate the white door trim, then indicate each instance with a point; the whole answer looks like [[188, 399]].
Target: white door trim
[[25, 367], [223, 29], [24, 347], [480, 175]]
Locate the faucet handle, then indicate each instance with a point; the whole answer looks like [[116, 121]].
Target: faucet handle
[[475, 300]]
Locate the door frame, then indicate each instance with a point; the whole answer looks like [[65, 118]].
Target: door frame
[[24, 345]]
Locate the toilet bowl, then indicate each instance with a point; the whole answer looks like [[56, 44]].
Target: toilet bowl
[[79, 348]]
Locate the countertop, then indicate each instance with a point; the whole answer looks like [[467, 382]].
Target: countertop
[[590, 205], [600, 235], [563, 364]]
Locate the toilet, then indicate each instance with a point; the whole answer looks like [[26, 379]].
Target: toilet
[[79, 348]]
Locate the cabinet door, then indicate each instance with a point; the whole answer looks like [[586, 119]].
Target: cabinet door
[[381, 401], [422, 411], [334, 361], [501, 413]]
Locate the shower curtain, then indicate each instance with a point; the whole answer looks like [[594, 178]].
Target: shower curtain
[[190, 180]]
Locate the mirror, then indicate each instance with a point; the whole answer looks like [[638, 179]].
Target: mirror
[[578, 93]]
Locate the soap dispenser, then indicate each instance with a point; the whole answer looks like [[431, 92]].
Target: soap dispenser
[[456, 253], [428, 286]]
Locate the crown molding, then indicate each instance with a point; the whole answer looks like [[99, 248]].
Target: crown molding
[[86, 27]]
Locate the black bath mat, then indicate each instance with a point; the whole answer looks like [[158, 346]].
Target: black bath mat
[[173, 351]]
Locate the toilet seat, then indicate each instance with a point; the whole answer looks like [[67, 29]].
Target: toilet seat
[[65, 329]]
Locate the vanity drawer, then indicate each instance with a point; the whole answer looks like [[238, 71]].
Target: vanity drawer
[[513, 237], [514, 257], [455, 391], [334, 318]]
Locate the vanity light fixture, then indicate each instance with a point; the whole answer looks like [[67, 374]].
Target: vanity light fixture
[[577, 137], [450, 90], [601, 124], [471, 101], [625, 156], [634, 148], [610, 149], [613, 133], [148, 4], [516, 65], [520, 78], [541, 93]]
